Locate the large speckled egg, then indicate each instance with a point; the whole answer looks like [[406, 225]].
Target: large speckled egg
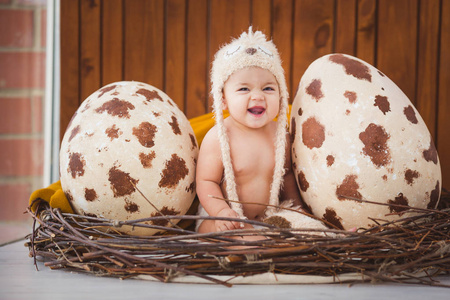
[[356, 135], [126, 141]]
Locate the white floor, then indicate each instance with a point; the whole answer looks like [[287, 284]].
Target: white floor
[[20, 280]]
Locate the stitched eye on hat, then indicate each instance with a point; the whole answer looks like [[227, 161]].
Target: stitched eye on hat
[[233, 50], [265, 51]]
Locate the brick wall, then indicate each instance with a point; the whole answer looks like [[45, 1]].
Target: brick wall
[[22, 85]]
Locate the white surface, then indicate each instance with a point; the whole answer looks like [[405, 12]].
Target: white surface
[[20, 280]]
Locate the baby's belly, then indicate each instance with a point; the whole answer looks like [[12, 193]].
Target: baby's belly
[[258, 192]]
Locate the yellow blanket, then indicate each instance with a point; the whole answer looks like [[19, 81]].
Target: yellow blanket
[[54, 195]]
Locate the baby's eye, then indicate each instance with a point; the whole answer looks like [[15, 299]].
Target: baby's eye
[[243, 89], [269, 88]]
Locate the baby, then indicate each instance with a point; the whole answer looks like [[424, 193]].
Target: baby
[[246, 157]]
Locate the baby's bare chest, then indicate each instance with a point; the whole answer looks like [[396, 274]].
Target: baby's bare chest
[[253, 160]]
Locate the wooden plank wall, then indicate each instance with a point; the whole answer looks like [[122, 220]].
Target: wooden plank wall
[[170, 44]]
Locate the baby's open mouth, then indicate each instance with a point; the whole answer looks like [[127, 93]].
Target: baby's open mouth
[[257, 110]]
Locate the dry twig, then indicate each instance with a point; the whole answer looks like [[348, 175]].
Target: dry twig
[[414, 249]]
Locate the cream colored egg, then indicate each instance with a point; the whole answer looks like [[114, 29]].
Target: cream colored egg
[[126, 141], [356, 135]]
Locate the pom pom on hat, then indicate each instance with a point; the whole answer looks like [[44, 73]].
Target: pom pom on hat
[[251, 49]]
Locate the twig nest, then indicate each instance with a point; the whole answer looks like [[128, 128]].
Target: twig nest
[[356, 135], [129, 153]]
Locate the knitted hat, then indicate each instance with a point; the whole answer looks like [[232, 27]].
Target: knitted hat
[[251, 49]]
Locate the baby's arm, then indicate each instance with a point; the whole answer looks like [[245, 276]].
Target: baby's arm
[[208, 177]]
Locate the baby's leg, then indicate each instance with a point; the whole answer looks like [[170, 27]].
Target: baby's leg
[[207, 226], [210, 226]]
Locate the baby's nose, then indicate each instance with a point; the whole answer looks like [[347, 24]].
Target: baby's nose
[[257, 95]]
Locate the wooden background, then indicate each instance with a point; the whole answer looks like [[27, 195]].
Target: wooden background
[[170, 43]]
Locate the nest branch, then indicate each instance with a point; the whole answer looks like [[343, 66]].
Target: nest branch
[[412, 249]]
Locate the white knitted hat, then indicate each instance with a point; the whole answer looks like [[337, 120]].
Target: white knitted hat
[[251, 49]]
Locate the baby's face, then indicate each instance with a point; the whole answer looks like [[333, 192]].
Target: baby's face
[[252, 97]]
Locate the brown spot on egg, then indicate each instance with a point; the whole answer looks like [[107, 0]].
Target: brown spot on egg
[[410, 114], [146, 159], [348, 188], [113, 132], [382, 103], [90, 194], [122, 183], [430, 154], [293, 130], [315, 89], [410, 175], [74, 132], [156, 114], [300, 111], [131, 207], [105, 90], [191, 188], [76, 164], [116, 108], [331, 217], [347, 112], [174, 171], [304, 184], [351, 96], [145, 134], [193, 141], [330, 160], [175, 126], [399, 200], [434, 196], [381, 74], [87, 105], [313, 133], [384, 177], [352, 67], [149, 95], [165, 211], [375, 139], [278, 221]]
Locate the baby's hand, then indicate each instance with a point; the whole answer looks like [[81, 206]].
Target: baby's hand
[[222, 225]]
